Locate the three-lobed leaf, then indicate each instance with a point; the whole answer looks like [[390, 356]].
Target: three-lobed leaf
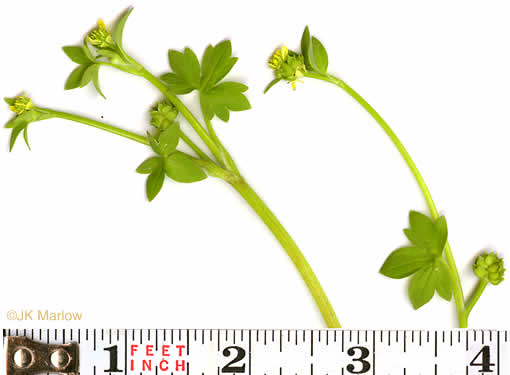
[[168, 139], [223, 98], [405, 261]]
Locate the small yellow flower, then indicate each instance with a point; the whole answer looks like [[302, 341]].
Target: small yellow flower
[[278, 58], [21, 104], [288, 66], [100, 37]]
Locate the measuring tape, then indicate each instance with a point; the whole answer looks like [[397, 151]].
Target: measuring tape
[[254, 352]]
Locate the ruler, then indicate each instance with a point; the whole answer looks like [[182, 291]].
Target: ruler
[[278, 352]]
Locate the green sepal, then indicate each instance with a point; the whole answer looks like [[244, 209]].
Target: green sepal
[[271, 84], [223, 98], [9, 101], [405, 261], [217, 61], [155, 183], [181, 167], [77, 55], [150, 165]]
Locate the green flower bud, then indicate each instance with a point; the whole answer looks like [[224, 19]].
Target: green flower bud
[[163, 115], [21, 104], [490, 268], [100, 37], [287, 65]]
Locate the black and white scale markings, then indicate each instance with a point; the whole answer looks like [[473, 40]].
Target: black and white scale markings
[[280, 352]]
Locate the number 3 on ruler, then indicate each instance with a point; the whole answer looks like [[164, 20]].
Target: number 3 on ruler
[[363, 353], [241, 353]]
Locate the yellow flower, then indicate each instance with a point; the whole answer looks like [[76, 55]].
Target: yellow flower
[[100, 37], [278, 58], [21, 104]]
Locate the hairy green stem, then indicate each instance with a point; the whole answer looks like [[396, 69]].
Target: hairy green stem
[[482, 284], [454, 274], [291, 249], [260, 208]]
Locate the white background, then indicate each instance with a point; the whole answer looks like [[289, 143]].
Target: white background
[[76, 231]]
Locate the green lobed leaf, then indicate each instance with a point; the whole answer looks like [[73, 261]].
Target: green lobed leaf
[[154, 143], [155, 183], [217, 61], [95, 81], [426, 281], [14, 134], [119, 31], [426, 233], [320, 56], [405, 261], [181, 167], [441, 233], [89, 74], [306, 48], [25, 137], [443, 280], [168, 139], [87, 52], [76, 54], [421, 287], [75, 78], [150, 165], [186, 67], [176, 84], [225, 97]]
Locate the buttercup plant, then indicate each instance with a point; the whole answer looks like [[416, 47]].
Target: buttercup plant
[[104, 47], [428, 258]]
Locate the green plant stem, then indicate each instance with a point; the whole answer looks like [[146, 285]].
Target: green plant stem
[[454, 274], [260, 208], [97, 124], [227, 159], [482, 284], [193, 146], [291, 249]]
